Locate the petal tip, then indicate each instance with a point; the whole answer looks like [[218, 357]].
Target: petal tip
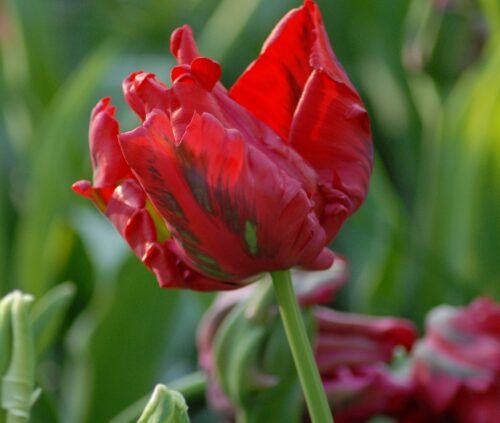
[[176, 38], [323, 261], [207, 71], [309, 3], [143, 92], [202, 69], [182, 44], [82, 187], [103, 105], [180, 73]]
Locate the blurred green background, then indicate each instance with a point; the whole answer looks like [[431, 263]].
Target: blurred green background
[[429, 232]]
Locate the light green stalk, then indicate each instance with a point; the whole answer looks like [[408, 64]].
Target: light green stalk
[[314, 393]]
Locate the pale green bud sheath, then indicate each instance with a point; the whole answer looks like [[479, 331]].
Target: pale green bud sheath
[[19, 379], [165, 406], [5, 340]]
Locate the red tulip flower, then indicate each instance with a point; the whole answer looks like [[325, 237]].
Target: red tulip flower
[[457, 366], [352, 352], [216, 187]]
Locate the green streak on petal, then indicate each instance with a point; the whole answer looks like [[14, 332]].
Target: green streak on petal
[[200, 256], [162, 231], [213, 272], [204, 262], [199, 187], [251, 237], [207, 260], [187, 236], [98, 201]]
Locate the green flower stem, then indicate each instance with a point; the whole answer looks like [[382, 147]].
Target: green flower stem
[[314, 393], [190, 386]]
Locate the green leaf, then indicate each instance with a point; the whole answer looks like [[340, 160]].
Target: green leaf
[[4, 246], [492, 14], [48, 313], [165, 406], [34, 48], [38, 242], [253, 361], [132, 335], [284, 400], [375, 243], [236, 350], [461, 230]]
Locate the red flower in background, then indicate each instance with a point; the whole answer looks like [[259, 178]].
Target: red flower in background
[[311, 288], [457, 366], [216, 187], [351, 351]]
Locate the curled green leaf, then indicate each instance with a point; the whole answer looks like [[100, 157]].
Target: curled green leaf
[[5, 333], [48, 313], [165, 406], [18, 382]]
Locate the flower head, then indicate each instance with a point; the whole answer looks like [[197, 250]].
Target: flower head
[[457, 364], [215, 188], [352, 353]]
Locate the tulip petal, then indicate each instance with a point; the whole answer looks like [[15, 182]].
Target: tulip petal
[[144, 93], [107, 159], [355, 339], [331, 131], [298, 88], [438, 387], [126, 208], [128, 211], [188, 96], [183, 46], [207, 71], [479, 407], [482, 316], [357, 396], [458, 360], [119, 196], [314, 288], [272, 85], [233, 212], [196, 90]]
